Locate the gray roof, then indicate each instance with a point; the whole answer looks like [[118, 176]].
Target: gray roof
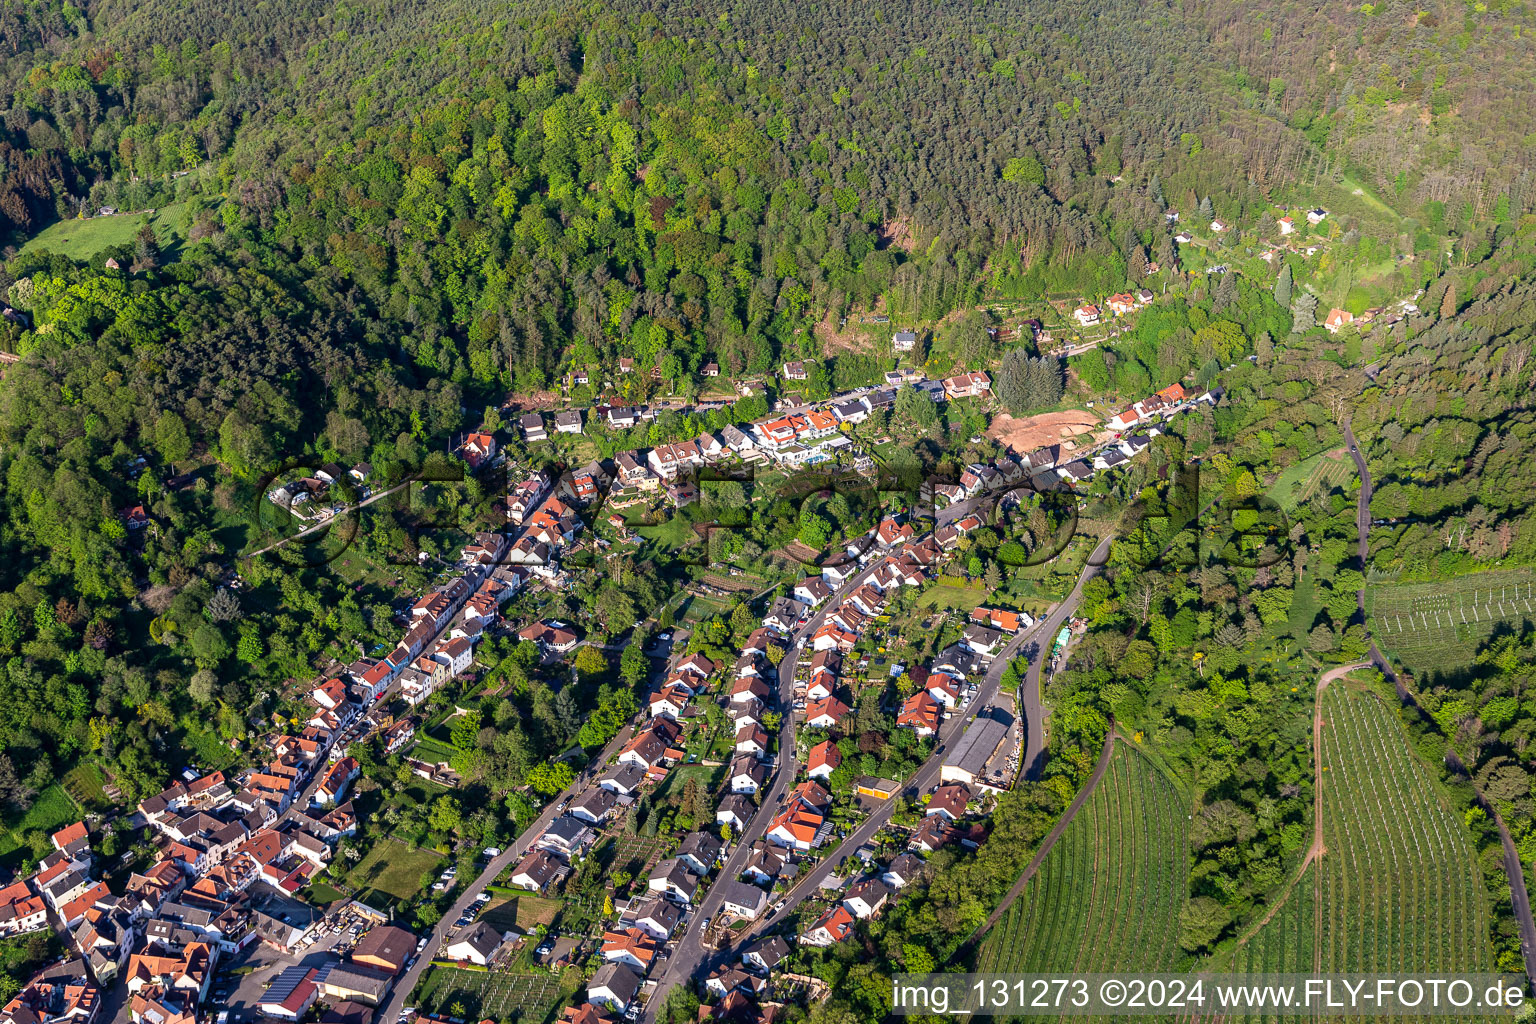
[[741, 894], [617, 978], [980, 740], [566, 829], [481, 937], [769, 950]]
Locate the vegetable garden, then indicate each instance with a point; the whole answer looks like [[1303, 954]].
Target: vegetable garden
[[1107, 897]]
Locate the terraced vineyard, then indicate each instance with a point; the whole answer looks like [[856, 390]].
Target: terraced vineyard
[[1440, 625], [1108, 896], [1400, 887], [1285, 944]]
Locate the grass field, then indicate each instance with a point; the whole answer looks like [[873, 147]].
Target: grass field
[[86, 784], [1399, 888], [678, 777], [950, 592], [1321, 473], [498, 995], [521, 912], [393, 869], [1441, 625], [82, 239], [1108, 896]]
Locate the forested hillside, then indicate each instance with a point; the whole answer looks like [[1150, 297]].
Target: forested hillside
[[373, 221]]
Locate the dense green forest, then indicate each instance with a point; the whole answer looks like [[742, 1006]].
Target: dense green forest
[[373, 221]]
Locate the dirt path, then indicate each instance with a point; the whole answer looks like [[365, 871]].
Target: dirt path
[[1045, 846], [1318, 846]]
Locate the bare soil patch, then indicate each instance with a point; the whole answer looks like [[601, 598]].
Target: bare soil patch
[[1025, 434], [854, 337]]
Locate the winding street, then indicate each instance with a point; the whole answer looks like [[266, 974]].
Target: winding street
[[1514, 869], [691, 958]]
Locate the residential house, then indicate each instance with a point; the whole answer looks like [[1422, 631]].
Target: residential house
[[478, 448], [904, 341], [532, 425], [567, 836], [673, 879], [831, 928], [921, 713], [949, 800], [751, 739], [1287, 224], [982, 640], [700, 851], [741, 899], [735, 810], [795, 371], [905, 869], [476, 944], [1121, 303], [867, 897], [825, 713], [537, 871], [967, 385], [613, 986], [767, 863], [568, 422], [1086, 314], [335, 783], [550, 635], [748, 775], [623, 779], [593, 806], [1338, 319], [657, 917], [765, 954], [632, 947], [824, 760]]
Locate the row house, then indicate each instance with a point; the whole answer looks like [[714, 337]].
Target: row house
[[209, 792], [335, 782], [554, 523], [486, 549], [21, 909], [833, 637], [525, 497]]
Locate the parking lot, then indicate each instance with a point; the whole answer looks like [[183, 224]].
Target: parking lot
[[244, 977]]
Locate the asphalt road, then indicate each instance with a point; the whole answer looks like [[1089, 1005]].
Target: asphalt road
[[1514, 869], [690, 957], [405, 984], [689, 950], [1030, 702]]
